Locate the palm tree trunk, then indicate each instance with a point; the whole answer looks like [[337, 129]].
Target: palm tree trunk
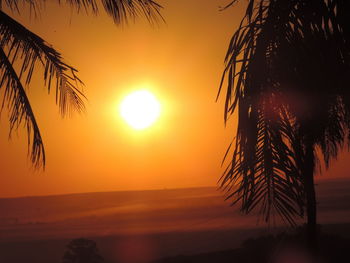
[[311, 206]]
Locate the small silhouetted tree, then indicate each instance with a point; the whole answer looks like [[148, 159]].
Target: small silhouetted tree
[[287, 70], [82, 250], [22, 51]]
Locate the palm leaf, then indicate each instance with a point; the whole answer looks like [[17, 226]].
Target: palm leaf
[[20, 109], [30, 50], [287, 73], [120, 10], [22, 48]]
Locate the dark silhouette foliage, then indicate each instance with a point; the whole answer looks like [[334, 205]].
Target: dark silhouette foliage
[[281, 248], [287, 72], [82, 250]]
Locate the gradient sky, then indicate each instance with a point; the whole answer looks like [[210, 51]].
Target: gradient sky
[[181, 61]]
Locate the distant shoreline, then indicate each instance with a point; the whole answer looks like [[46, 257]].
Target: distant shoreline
[[318, 179]]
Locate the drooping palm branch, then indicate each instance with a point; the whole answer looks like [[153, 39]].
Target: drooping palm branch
[[119, 10], [287, 70], [22, 51]]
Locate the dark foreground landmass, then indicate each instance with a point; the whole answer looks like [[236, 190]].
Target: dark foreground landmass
[[143, 226], [267, 249]]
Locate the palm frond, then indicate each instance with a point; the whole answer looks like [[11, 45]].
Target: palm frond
[[31, 50], [20, 109], [14, 4], [296, 51], [120, 10], [24, 49], [263, 171]]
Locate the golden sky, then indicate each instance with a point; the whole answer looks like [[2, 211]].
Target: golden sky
[[180, 61]]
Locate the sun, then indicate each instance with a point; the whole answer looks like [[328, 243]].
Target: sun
[[140, 109]]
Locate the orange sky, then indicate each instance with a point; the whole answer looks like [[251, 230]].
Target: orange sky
[[181, 60]]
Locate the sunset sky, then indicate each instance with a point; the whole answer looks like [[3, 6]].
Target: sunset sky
[[180, 62]]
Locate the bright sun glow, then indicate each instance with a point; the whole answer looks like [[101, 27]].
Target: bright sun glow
[[140, 109]]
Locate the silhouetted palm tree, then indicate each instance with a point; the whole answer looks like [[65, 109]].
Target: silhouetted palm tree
[[21, 51], [82, 250], [287, 69]]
